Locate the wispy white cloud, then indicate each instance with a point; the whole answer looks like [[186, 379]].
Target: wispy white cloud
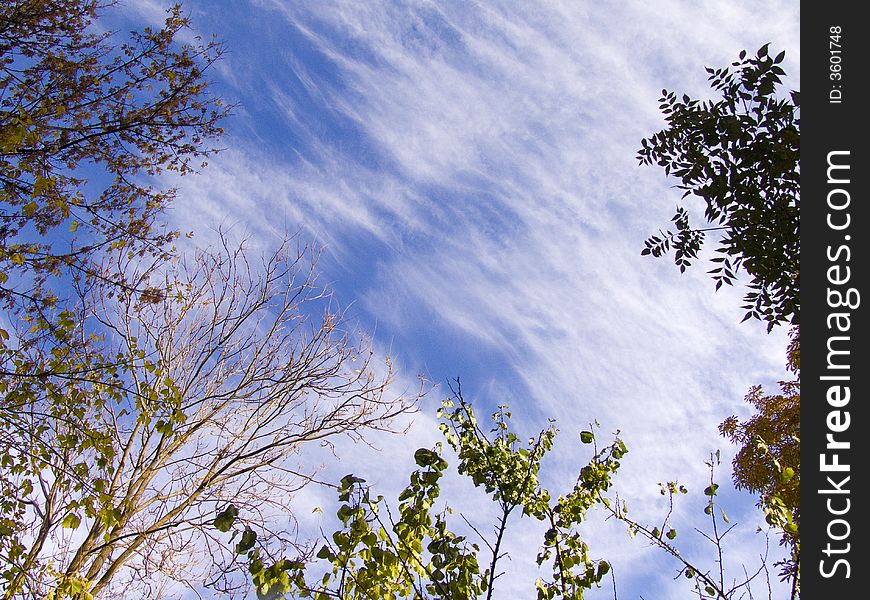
[[470, 170]]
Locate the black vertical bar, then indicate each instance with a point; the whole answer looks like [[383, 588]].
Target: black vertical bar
[[835, 223]]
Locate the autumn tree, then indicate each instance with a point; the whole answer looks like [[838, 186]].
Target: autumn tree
[[204, 393], [768, 462], [740, 155], [87, 119]]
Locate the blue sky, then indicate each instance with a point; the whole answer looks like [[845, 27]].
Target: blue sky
[[469, 171]]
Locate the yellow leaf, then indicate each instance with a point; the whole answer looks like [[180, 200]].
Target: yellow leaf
[[40, 185], [30, 207], [71, 521]]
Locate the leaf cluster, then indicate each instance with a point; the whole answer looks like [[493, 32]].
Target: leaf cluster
[[376, 555], [768, 461], [741, 156], [77, 100]]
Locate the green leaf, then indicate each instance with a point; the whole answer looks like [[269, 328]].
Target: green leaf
[[587, 437], [225, 519], [425, 457], [249, 538], [71, 521], [349, 480]]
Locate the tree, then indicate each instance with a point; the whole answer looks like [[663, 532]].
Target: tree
[[375, 555], [741, 156], [416, 554], [768, 462], [200, 395], [86, 120]]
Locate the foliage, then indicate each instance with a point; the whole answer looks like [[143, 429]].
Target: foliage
[[768, 462], [198, 397], [418, 555], [85, 119], [740, 155], [46, 428]]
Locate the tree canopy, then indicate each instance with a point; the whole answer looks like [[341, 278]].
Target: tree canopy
[[87, 119], [416, 548], [200, 398], [415, 551], [741, 156]]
